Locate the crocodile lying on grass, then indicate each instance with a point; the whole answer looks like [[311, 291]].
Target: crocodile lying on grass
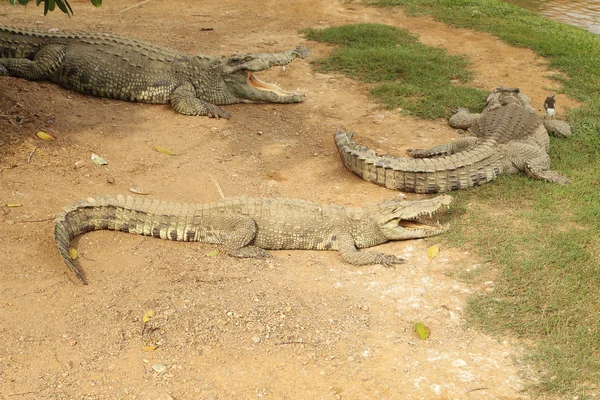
[[127, 69], [507, 137], [247, 227]]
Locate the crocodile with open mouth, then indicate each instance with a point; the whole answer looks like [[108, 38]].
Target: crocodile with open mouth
[[248, 227], [122, 68]]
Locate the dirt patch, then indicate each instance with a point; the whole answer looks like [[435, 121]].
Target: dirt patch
[[302, 325]]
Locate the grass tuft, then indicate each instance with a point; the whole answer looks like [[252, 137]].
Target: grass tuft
[[407, 74]]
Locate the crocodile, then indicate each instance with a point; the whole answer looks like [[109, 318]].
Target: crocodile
[[118, 67], [506, 138], [248, 227]]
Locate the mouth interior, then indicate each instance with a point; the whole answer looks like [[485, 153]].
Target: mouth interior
[[260, 85], [426, 221], [412, 224]]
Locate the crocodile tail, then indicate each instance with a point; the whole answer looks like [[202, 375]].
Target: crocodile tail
[[125, 214], [421, 175]]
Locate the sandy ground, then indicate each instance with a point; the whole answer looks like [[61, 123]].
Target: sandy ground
[[303, 325]]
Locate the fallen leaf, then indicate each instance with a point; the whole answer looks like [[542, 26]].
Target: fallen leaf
[[14, 205], [137, 190], [98, 160], [148, 315], [46, 136], [73, 253], [433, 251], [149, 348], [422, 330], [213, 253], [164, 151]]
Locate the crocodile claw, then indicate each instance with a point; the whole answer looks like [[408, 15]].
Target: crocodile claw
[[218, 112], [390, 260]]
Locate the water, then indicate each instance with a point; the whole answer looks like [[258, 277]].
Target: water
[[582, 13]]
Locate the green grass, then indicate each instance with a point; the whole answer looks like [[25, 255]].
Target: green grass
[[543, 239], [406, 74]]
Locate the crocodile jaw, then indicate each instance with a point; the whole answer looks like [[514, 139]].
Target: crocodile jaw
[[247, 88], [413, 219]]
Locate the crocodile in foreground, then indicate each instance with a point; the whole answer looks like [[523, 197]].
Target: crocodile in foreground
[[507, 137], [247, 227], [117, 67]]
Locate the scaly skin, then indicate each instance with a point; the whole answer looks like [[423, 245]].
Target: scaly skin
[[506, 138], [127, 69], [247, 227]]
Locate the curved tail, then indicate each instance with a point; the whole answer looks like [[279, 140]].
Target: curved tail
[[422, 175], [126, 214]]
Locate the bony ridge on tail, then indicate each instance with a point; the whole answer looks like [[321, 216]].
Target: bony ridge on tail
[[248, 227]]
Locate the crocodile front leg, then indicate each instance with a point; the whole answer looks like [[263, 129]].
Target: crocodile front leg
[[352, 256], [46, 62], [463, 118], [183, 99], [446, 149]]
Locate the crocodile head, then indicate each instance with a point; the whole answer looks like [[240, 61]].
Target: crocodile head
[[404, 219], [502, 96], [238, 73]]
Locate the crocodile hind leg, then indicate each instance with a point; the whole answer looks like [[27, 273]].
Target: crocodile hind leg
[[535, 162], [45, 64], [183, 99], [242, 233], [352, 256], [446, 149]]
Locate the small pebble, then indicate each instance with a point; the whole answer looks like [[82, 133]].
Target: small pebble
[[459, 363], [10, 222], [256, 339], [79, 164], [159, 368]]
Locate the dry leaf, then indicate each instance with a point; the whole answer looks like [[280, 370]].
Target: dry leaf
[[149, 348], [148, 315], [164, 151], [137, 190], [213, 253], [422, 330], [433, 251], [14, 205], [98, 160], [73, 253], [46, 136]]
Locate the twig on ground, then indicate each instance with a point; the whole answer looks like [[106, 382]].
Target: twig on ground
[[133, 6], [40, 220], [218, 186], [473, 390], [21, 393], [31, 155], [295, 342]]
